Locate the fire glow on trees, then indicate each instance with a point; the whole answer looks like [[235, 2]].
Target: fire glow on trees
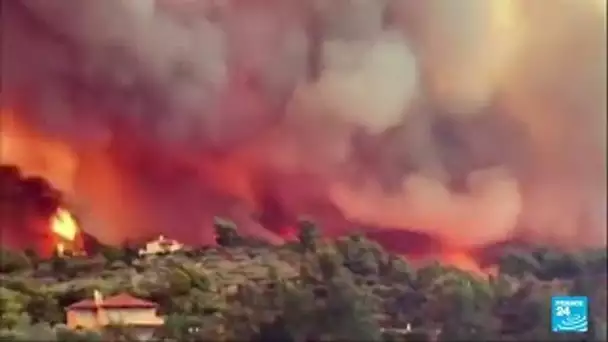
[[462, 260]]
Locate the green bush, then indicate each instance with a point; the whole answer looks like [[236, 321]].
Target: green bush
[[43, 307], [64, 334], [179, 282], [518, 264], [226, 233], [12, 305], [112, 254], [308, 235], [12, 261]]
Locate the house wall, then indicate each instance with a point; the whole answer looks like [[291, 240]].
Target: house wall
[[87, 318], [133, 316], [160, 247], [81, 318]]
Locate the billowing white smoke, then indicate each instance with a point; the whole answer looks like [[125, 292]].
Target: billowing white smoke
[[388, 106]]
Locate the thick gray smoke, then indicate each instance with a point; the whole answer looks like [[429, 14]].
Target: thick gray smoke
[[472, 120]]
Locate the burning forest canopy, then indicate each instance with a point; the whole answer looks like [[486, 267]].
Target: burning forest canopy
[[473, 123]]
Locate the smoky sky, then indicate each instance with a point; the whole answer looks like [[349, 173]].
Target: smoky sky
[[475, 121]]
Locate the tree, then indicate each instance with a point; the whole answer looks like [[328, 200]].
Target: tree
[[593, 286], [558, 265], [130, 253], [11, 308], [205, 303], [461, 305], [22, 330], [361, 256], [348, 312], [308, 235], [427, 274], [34, 258], [536, 312], [179, 282], [12, 261], [10, 336], [299, 309], [226, 234], [518, 264], [199, 280], [276, 331], [43, 307], [112, 254], [59, 264], [524, 314], [330, 264], [404, 305], [41, 331], [178, 327], [65, 334], [118, 265], [119, 333], [595, 260], [398, 270]]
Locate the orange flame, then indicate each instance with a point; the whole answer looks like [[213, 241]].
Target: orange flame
[[60, 249], [463, 261], [64, 225]]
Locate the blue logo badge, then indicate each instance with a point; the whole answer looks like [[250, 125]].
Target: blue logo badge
[[569, 314]]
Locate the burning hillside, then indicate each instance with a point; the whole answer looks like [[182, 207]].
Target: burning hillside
[[32, 215], [466, 125]]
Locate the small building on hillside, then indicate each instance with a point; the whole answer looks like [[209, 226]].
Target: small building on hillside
[[123, 309], [161, 246]]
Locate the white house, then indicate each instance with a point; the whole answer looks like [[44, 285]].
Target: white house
[[161, 245]]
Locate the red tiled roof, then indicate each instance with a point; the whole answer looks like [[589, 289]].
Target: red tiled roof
[[120, 301]]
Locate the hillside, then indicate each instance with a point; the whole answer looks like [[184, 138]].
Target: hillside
[[349, 289]]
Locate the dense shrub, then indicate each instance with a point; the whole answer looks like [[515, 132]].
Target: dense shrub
[[12, 261]]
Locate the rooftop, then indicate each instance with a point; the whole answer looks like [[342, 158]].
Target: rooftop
[[120, 301]]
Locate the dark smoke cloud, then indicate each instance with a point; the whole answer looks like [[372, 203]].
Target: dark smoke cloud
[[475, 120], [26, 206]]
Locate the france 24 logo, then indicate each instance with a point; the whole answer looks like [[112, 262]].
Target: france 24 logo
[[569, 314]]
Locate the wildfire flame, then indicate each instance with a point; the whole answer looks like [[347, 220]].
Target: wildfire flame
[[462, 260], [64, 225], [60, 249]]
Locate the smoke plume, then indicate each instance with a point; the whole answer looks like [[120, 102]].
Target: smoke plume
[[474, 121]]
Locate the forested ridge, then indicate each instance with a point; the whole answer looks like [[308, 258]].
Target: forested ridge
[[306, 290]]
